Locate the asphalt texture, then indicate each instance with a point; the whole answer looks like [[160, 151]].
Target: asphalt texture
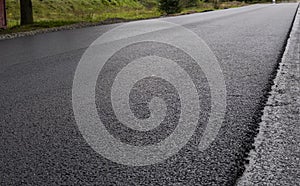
[[40, 141], [276, 158]]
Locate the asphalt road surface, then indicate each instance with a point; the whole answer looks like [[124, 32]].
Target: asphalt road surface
[[41, 143]]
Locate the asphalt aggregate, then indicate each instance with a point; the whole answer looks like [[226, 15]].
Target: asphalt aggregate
[[40, 141]]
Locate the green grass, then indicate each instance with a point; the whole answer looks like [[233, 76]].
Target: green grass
[[55, 13], [204, 7], [80, 10]]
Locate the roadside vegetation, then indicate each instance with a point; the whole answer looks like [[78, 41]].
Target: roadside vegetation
[[54, 13]]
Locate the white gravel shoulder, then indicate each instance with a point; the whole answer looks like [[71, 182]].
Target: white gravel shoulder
[[276, 157]]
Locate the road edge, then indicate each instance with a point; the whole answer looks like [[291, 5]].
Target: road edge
[[279, 119], [91, 24]]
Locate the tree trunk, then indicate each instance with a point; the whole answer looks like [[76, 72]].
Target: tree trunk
[[26, 12]]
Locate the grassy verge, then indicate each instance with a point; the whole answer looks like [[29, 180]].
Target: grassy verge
[[56, 13], [204, 7], [36, 26]]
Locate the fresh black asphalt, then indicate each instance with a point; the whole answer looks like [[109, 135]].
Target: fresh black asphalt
[[41, 144]]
